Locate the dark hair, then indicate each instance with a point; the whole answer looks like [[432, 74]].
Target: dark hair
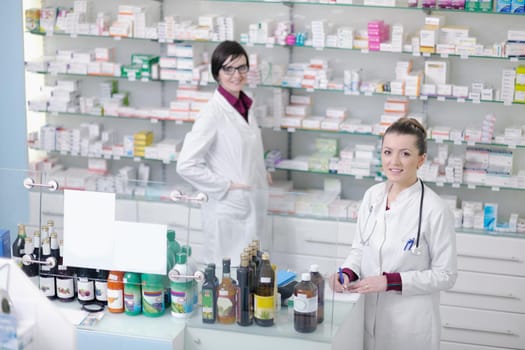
[[410, 126], [222, 52]]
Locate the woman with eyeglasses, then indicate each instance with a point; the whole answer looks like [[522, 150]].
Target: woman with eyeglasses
[[404, 249], [223, 156]]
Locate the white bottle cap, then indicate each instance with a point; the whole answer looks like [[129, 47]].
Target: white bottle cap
[[305, 276], [314, 268]]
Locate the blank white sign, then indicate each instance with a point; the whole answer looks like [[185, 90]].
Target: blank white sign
[[94, 239]]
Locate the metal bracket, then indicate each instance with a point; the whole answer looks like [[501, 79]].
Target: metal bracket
[[29, 183], [174, 276], [50, 261], [178, 196]]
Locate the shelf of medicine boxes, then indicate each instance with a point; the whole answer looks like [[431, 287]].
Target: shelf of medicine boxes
[[353, 93], [162, 195], [108, 157], [404, 7], [271, 45], [338, 132], [378, 178], [153, 119]]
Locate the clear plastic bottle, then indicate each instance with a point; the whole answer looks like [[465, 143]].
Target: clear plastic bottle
[[305, 305]]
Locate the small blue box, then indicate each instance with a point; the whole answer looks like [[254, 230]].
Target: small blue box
[[5, 243]]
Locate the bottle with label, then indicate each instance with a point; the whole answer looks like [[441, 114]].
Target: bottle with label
[[101, 286], [182, 288], [30, 268], [264, 299], [153, 295], [48, 271], [244, 295], [192, 268], [19, 243], [37, 244], [85, 285], [305, 305], [55, 249], [226, 295], [251, 270], [65, 282], [172, 249], [215, 279], [209, 296], [318, 280], [116, 291], [132, 293]]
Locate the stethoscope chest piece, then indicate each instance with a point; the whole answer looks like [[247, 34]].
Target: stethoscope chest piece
[[416, 251]]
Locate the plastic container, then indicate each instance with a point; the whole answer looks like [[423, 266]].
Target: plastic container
[[116, 291], [153, 295], [132, 293], [182, 289]]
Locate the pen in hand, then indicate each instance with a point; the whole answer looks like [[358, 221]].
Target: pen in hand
[[341, 278]]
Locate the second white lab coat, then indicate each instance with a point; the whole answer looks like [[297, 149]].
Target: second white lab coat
[[222, 148], [408, 320]]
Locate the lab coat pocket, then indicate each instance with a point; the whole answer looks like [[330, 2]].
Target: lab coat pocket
[[369, 262], [235, 205]]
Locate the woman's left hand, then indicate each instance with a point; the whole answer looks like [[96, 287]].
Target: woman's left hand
[[372, 284], [269, 178]]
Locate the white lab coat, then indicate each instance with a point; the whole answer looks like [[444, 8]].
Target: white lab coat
[[408, 320], [222, 149]]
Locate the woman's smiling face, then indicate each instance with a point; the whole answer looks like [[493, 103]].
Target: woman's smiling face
[[400, 158], [234, 82]]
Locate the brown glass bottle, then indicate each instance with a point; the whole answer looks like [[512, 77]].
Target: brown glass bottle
[[318, 280], [226, 296], [305, 305], [264, 299]]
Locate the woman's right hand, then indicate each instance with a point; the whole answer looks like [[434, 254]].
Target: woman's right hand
[[336, 285], [236, 186]]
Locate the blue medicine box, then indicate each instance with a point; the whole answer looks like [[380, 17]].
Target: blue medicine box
[[5, 243]]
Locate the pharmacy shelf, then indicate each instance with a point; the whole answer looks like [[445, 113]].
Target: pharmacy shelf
[[108, 157], [160, 193], [370, 94], [153, 120], [372, 52], [270, 46], [288, 129], [405, 7], [379, 178]]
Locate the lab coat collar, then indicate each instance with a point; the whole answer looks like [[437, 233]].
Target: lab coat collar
[[231, 112], [407, 192]]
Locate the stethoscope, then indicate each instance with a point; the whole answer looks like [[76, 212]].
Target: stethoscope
[[415, 249]]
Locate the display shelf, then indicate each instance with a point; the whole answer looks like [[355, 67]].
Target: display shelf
[[81, 115], [335, 314], [272, 45], [108, 157], [405, 7], [381, 178]]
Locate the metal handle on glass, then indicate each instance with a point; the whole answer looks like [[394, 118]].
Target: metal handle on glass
[[178, 196], [29, 183]]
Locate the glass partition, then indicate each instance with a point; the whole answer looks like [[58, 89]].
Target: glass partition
[[145, 248]]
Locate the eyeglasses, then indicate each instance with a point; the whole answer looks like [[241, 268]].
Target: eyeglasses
[[229, 70]]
